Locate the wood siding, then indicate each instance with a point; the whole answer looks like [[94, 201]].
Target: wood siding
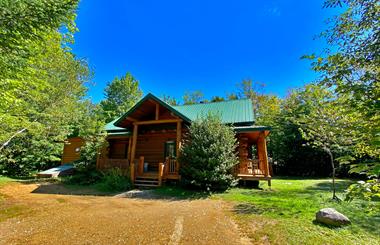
[[152, 146], [118, 149], [70, 150]]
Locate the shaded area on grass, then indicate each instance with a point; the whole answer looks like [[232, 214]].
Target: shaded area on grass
[[326, 185], [297, 201], [248, 208], [175, 192], [64, 189]]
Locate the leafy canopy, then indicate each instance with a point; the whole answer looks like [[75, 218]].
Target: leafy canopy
[[350, 67], [120, 95]]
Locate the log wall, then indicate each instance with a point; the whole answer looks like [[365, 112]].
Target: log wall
[[152, 146]]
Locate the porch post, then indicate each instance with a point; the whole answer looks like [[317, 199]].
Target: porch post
[[179, 138], [178, 143], [134, 141], [262, 147], [129, 149]]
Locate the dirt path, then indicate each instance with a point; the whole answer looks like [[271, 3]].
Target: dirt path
[[73, 219]]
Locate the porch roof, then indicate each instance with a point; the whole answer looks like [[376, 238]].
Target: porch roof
[[253, 128]]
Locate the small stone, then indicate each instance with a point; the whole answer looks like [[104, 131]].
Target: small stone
[[330, 216]]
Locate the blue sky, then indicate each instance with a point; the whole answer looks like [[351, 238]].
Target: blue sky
[[177, 46]]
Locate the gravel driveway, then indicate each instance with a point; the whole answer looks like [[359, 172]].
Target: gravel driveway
[[77, 219]]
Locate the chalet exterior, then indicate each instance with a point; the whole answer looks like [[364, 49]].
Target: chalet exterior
[[146, 140]]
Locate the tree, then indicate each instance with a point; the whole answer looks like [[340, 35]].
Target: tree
[[195, 97], [23, 22], [170, 100], [232, 96], [291, 154], [120, 95], [253, 91], [42, 84], [208, 155], [328, 125], [217, 99], [350, 67], [41, 108]]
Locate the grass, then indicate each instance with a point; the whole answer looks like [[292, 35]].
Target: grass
[[179, 193], [8, 211], [4, 180], [286, 213]]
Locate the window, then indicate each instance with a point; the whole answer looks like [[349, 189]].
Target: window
[[170, 150]]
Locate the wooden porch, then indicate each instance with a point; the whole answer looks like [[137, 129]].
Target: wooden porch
[[143, 155], [253, 157], [167, 170]]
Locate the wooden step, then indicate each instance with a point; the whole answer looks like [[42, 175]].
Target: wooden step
[[145, 181], [150, 176], [145, 185]]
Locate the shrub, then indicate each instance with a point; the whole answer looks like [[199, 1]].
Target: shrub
[[85, 168], [368, 190], [208, 155], [28, 154], [115, 180]]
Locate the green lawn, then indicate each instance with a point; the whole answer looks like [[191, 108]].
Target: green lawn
[[286, 213], [4, 180]]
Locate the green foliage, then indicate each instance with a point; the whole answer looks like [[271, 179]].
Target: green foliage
[[120, 95], [351, 70], [194, 97], [232, 96], [42, 84], [29, 153], [85, 176], [367, 190], [208, 155], [115, 180], [217, 99], [85, 167], [170, 100], [24, 23]]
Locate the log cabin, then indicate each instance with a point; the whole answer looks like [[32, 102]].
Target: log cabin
[[146, 140]]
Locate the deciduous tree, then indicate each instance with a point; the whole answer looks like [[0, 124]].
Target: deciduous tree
[[120, 95]]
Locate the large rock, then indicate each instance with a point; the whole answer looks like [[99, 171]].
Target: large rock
[[330, 216]]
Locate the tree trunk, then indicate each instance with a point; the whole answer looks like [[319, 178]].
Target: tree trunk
[[328, 151], [9, 140]]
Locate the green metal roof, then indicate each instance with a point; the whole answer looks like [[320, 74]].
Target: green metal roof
[[111, 126], [119, 133], [231, 112], [238, 112], [161, 102]]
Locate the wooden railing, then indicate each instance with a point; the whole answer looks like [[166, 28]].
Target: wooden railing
[[166, 170], [107, 163], [171, 166], [250, 167]]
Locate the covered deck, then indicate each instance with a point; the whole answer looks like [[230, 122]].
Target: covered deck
[[253, 156]]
